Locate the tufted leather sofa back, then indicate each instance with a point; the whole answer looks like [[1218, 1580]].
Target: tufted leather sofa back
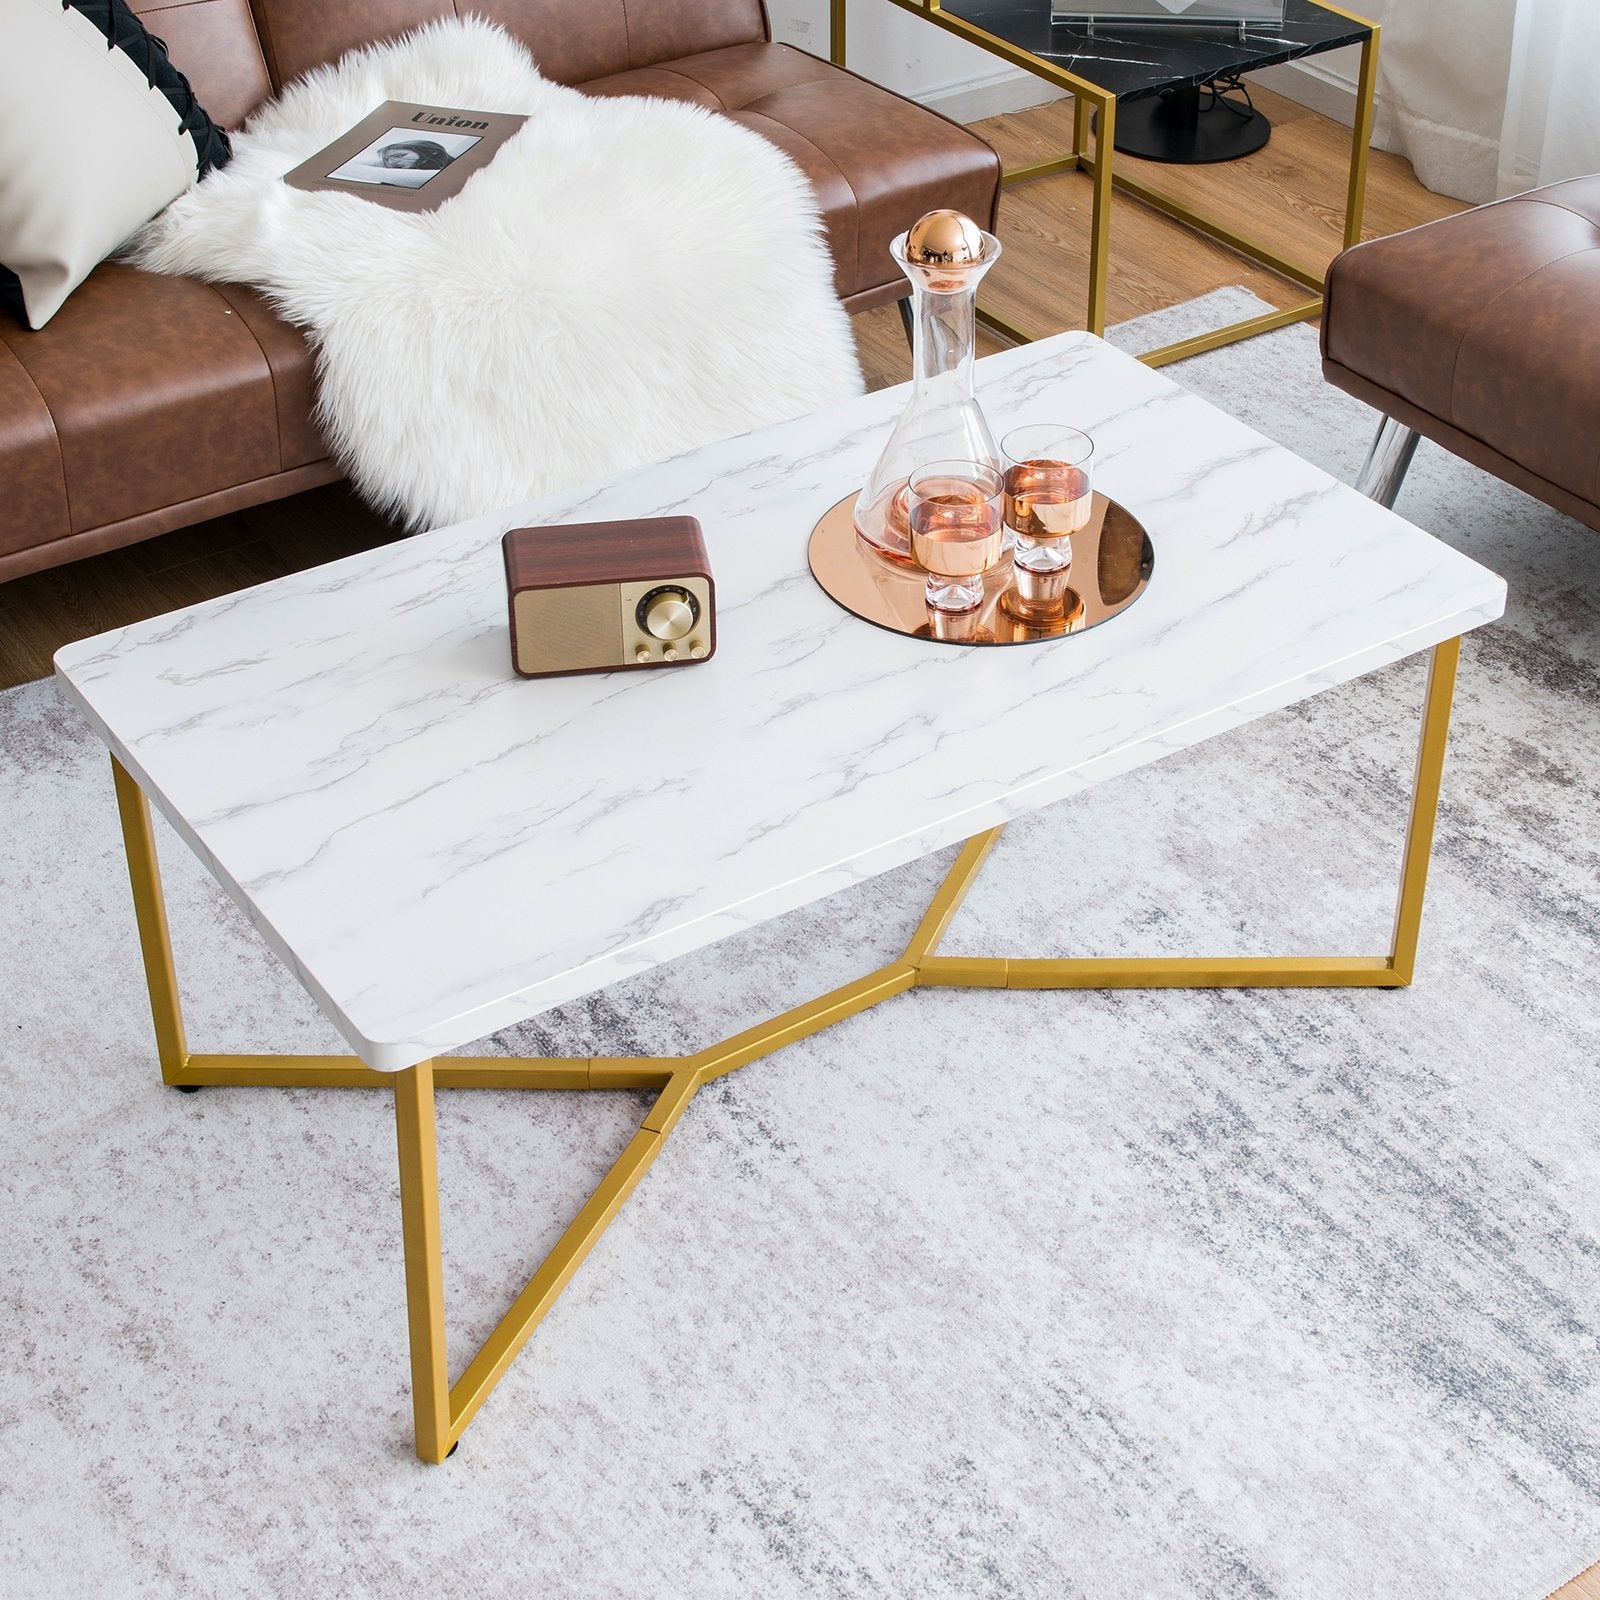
[[235, 51], [213, 43], [572, 40]]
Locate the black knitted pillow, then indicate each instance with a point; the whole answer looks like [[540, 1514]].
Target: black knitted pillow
[[126, 33], [11, 303]]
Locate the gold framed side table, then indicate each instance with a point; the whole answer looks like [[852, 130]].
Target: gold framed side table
[[1093, 66]]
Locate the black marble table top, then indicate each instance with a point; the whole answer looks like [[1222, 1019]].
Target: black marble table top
[[1138, 61]]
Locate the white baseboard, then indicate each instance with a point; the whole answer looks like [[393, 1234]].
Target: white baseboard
[[1310, 84], [992, 95]]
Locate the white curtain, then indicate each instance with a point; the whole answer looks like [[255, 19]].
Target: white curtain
[[1490, 97], [1443, 66], [1552, 119]]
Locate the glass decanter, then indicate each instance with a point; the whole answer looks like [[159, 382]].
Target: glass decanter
[[944, 255]]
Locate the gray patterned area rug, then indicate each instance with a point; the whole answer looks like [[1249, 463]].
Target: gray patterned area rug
[[1167, 1295]]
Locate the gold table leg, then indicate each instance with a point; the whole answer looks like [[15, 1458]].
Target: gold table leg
[[419, 1227], [1392, 971], [1424, 808], [150, 912], [1355, 199], [1104, 175], [443, 1410]]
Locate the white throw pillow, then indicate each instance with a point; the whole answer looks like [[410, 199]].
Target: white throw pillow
[[89, 151]]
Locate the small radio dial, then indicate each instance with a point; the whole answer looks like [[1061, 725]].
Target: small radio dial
[[668, 613]]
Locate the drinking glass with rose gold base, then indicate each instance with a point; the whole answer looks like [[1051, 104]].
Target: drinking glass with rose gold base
[[957, 529], [1049, 497]]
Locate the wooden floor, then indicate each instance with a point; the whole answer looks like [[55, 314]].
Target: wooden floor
[[1289, 196]]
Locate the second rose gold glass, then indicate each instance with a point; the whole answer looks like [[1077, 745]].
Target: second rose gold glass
[[957, 529], [1048, 496]]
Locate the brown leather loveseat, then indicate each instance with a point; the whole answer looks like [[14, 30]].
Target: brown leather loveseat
[[149, 403]]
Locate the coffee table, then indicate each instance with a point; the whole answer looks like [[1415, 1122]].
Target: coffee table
[[1114, 65], [437, 848]]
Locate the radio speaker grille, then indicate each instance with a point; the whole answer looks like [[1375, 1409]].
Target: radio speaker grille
[[560, 630]]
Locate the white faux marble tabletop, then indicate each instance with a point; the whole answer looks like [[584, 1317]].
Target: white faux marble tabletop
[[438, 848]]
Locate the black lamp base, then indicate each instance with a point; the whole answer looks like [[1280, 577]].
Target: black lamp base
[[1171, 127]]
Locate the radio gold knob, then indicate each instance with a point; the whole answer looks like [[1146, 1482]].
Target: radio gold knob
[[670, 653], [697, 649], [670, 615], [642, 653]]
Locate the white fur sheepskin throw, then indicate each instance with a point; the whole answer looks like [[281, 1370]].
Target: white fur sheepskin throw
[[627, 279]]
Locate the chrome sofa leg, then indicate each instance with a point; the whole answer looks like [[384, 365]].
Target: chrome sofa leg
[[1385, 467]]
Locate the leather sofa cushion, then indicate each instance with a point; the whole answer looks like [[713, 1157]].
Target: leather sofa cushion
[[160, 390], [877, 161], [1485, 321], [30, 461]]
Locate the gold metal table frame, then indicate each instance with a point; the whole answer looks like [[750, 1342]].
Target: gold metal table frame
[[1090, 97], [443, 1409]]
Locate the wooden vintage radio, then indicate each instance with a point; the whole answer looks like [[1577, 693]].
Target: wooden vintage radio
[[599, 596]]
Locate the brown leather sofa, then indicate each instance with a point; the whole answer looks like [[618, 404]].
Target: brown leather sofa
[[148, 403], [1482, 333]]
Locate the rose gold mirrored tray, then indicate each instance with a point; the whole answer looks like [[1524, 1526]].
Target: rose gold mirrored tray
[[1112, 560]]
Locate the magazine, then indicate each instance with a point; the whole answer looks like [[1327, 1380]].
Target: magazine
[[407, 156]]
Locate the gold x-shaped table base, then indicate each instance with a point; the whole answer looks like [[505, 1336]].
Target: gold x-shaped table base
[[443, 1409]]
